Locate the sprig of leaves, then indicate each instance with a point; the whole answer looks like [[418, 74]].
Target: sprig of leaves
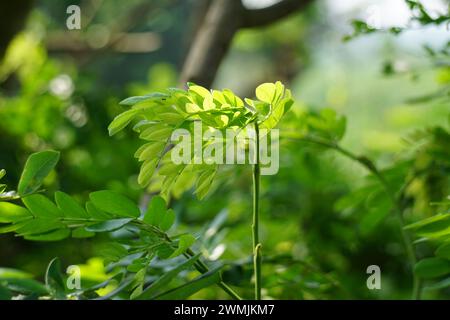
[[42, 219], [160, 114], [435, 229]]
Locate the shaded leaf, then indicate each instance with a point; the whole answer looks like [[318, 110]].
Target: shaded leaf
[[155, 211], [166, 278], [109, 225], [184, 243], [54, 280], [185, 291], [40, 206], [114, 203], [37, 167], [69, 207], [432, 268]]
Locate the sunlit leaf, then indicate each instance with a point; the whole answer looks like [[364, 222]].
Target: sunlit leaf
[[12, 213]]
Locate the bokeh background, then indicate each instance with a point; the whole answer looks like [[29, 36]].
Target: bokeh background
[[60, 89]]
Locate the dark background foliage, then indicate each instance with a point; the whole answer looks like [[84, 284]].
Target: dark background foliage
[[325, 216]]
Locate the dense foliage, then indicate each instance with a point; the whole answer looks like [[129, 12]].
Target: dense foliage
[[344, 198]]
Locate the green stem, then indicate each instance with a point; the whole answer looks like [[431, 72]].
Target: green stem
[[257, 259], [203, 268], [370, 166]]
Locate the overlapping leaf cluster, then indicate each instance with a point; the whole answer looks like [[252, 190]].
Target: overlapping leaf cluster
[[160, 114], [436, 230], [42, 219]]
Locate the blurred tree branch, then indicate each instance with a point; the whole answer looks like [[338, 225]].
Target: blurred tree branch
[[261, 17], [223, 19]]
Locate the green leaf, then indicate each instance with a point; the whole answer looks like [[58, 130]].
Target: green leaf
[[10, 228], [445, 283], [192, 108], [26, 286], [121, 121], [199, 90], [6, 273], [138, 283], [69, 207], [96, 213], [277, 113], [156, 133], [37, 226], [444, 251], [37, 167], [266, 92], [374, 216], [164, 251], [55, 235], [114, 203], [2, 173], [41, 207], [12, 213], [151, 150], [168, 169], [109, 225], [432, 268], [147, 170], [184, 243], [185, 291], [5, 294], [138, 264], [155, 211], [167, 220], [113, 252], [82, 233], [204, 183], [54, 280], [152, 96], [171, 117], [166, 278], [427, 221]]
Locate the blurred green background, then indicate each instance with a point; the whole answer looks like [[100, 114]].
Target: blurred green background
[[60, 89]]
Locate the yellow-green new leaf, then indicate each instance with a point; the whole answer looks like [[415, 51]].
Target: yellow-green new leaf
[[266, 92], [147, 170], [121, 121]]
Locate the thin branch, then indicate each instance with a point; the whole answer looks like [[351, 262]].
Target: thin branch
[[262, 17], [222, 20], [213, 39]]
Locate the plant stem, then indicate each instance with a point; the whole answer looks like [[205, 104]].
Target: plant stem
[[203, 268], [370, 166], [255, 225]]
